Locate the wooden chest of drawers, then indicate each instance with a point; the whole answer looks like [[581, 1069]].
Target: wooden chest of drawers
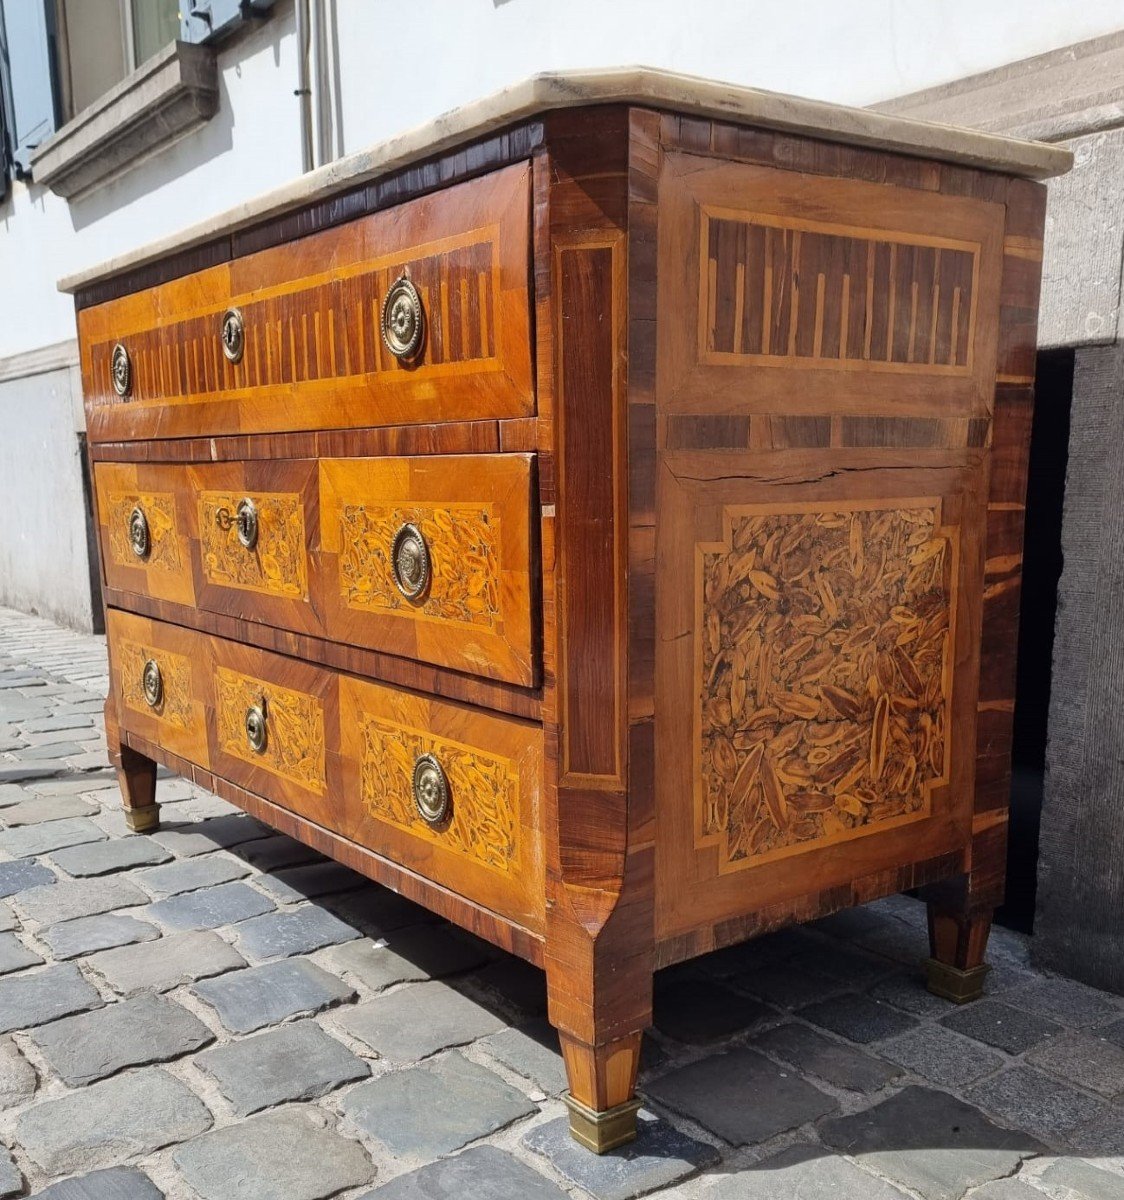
[[598, 518]]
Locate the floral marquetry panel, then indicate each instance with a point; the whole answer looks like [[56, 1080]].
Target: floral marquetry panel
[[277, 564], [294, 722], [159, 511], [483, 788], [463, 542], [176, 695], [823, 693]]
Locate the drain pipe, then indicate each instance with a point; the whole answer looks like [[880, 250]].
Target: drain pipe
[[303, 90]]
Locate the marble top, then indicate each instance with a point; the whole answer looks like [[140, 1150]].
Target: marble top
[[664, 90]]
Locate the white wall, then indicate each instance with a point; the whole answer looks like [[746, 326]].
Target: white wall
[[399, 65]]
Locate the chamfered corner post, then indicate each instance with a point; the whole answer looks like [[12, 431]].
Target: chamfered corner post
[[955, 968], [136, 776]]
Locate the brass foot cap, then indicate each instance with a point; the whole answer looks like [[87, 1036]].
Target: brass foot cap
[[602, 1131], [953, 983], [143, 820]]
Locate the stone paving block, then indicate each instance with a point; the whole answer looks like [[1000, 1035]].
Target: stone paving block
[[516, 982], [88, 935], [929, 1142], [211, 907], [200, 837], [18, 1080], [910, 993], [1030, 1100], [35, 999], [408, 955], [103, 858], [295, 1062], [859, 1018], [1066, 1001], [14, 955], [480, 1173], [190, 874], [831, 1061], [120, 1118], [790, 987], [531, 1051], [376, 911], [462, 1101], [131, 1033], [741, 1096], [10, 794], [70, 898], [1084, 1058], [166, 963], [265, 995], [11, 1180], [697, 1011], [418, 1021], [942, 1056], [310, 880], [113, 1183], [851, 966], [659, 1157], [56, 723], [294, 1154], [90, 781], [8, 920], [37, 809], [803, 1172], [998, 1024], [1008, 1189], [23, 772], [282, 934], [31, 840], [1082, 1178], [21, 874], [55, 752], [270, 853]]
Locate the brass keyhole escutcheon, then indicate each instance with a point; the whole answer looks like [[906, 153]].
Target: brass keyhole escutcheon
[[139, 537], [233, 335], [256, 734], [431, 790], [121, 370], [403, 319], [409, 558], [153, 683]]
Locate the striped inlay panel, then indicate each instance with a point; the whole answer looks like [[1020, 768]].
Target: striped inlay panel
[[798, 291]]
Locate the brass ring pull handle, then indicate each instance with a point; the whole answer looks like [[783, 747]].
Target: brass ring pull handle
[[431, 790], [256, 733], [403, 319], [139, 537], [121, 370], [244, 520], [409, 561], [232, 333], [152, 683]]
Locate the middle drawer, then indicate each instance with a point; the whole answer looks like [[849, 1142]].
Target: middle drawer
[[429, 557]]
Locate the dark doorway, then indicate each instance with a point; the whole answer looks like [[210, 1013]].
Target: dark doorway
[[1042, 566]]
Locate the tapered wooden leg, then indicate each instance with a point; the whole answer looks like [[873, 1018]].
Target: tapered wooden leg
[[602, 1097], [957, 944], [137, 776]]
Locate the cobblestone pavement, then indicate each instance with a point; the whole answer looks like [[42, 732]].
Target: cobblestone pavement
[[214, 1013]]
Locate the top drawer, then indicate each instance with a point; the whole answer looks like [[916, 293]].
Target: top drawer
[[313, 353]]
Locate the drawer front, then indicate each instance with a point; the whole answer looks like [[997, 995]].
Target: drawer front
[[342, 753], [431, 558], [311, 351], [160, 678], [488, 843], [231, 538]]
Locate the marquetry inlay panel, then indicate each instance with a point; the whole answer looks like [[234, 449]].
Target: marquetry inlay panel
[[175, 705], [464, 548], [327, 327], [278, 562], [778, 287], [483, 823], [159, 509], [822, 698], [294, 747]]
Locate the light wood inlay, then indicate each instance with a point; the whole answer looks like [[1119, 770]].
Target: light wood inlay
[[160, 513], [175, 705], [825, 674], [278, 562]]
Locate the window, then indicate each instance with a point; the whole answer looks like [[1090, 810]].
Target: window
[[102, 41]]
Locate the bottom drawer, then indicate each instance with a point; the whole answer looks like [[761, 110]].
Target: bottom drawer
[[447, 791]]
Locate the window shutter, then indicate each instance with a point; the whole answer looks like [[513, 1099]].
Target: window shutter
[[27, 62]]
